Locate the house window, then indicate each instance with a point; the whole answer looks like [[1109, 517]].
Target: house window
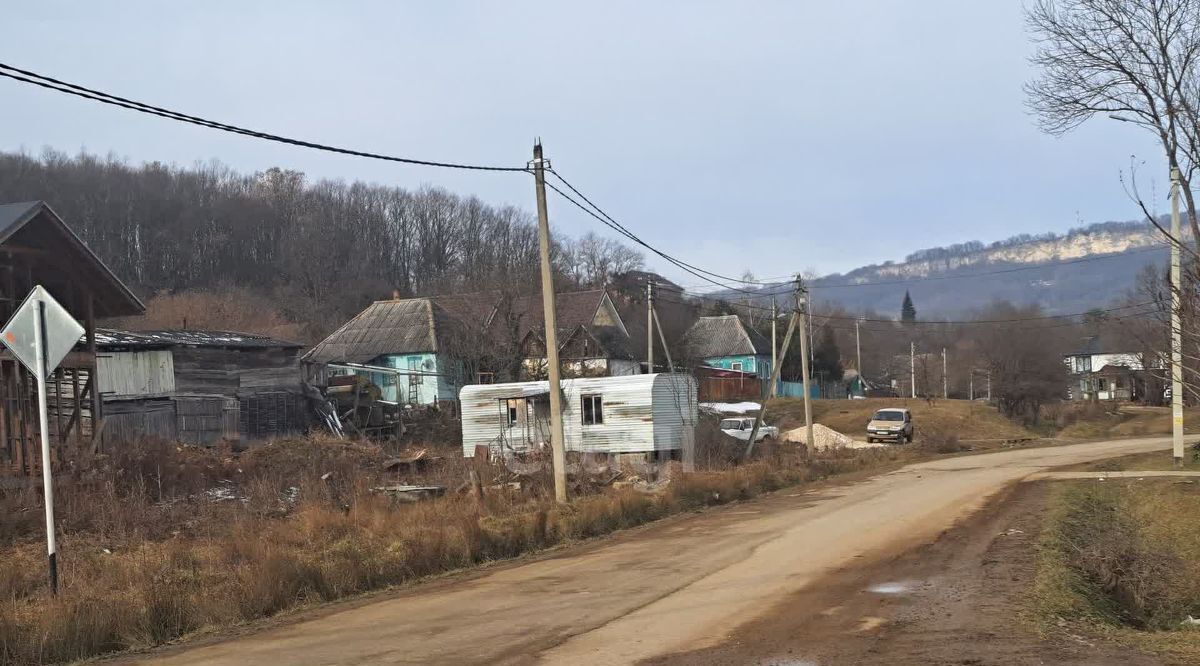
[[736, 365], [486, 378], [593, 410], [512, 411]]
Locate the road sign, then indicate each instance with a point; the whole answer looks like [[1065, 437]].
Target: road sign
[[20, 334], [40, 335]]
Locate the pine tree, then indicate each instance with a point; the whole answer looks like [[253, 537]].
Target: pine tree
[[908, 312]]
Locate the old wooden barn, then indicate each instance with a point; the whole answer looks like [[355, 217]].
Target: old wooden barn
[[37, 247], [199, 386]]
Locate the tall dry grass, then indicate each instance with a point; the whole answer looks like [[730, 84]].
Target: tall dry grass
[[165, 541]]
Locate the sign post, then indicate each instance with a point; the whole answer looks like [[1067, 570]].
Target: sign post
[[40, 334]]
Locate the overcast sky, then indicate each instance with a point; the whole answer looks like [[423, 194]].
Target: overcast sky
[[767, 136]]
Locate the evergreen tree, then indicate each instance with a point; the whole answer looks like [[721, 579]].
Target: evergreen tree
[[908, 312], [827, 358]]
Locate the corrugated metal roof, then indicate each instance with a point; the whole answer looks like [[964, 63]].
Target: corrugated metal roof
[[107, 338], [114, 299], [726, 335]]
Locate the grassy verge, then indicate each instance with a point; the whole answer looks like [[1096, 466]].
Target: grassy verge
[[168, 542], [970, 421], [1121, 560]]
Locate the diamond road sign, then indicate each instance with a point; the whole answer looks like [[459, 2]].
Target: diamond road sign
[[62, 331]]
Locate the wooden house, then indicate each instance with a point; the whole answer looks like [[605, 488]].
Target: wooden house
[[740, 354], [37, 247]]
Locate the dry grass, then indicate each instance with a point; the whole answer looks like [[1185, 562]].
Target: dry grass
[[231, 309], [168, 541], [1104, 420], [1122, 559], [970, 421]]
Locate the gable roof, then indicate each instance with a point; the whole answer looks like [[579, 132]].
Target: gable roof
[[725, 335], [572, 309], [1103, 344], [64, 258], [384, 327]]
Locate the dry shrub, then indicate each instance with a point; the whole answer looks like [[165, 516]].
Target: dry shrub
[[941, 440], [138, 570], [1132, 556]]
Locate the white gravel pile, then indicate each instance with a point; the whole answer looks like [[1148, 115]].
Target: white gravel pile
[[826, 438]]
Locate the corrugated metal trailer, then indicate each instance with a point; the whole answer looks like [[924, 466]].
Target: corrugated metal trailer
[[626, 414]]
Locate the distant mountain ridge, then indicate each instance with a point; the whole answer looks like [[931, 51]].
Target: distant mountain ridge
[[1070, 272]]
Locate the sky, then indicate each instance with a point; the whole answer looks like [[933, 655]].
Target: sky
[[770, 137]]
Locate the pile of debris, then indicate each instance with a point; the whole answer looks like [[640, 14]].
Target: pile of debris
[[826, 438]]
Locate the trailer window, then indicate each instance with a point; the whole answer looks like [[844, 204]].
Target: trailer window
[[593, 410]]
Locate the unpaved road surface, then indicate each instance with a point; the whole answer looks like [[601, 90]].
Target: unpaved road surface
[[684, 585]]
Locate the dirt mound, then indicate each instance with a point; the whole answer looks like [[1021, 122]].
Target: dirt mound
[[825, 438]]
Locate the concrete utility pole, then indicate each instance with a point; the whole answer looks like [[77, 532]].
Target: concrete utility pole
[[945, 384], [795, 322], [1176, 333], [971, 390], [989, 377], [858, 346], [650, 327], [774, 348], [912, 366], [663, 339], [805, 344], [557, 441]]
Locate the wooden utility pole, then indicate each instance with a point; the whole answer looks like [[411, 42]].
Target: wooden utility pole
[[557, 441], [1176, 333], [650, 326], [771, 392]]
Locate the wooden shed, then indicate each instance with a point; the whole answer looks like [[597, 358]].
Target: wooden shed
[[199, 386], [37, 247]]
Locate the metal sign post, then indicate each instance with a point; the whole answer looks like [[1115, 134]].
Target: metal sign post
[[40, 334]]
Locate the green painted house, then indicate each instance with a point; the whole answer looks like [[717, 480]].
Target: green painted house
[[726, 342]]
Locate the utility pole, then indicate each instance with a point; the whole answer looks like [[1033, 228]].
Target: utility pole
[[795, 322], [945, 384], [989, 377], [774, 348], [858, 346], [650, 326], [971, 390], [1176, 333], [912, 367], [802, 310], [557, 441], [663, 339]]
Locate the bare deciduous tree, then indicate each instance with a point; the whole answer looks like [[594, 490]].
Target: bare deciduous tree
[[1133, 60]]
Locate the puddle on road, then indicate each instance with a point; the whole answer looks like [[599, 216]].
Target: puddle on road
[[890, 588]]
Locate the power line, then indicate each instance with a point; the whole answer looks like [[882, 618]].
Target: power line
[[614, 224], [57, 85], [630, 235]]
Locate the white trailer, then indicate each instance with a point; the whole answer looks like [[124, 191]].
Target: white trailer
[[626, 414]]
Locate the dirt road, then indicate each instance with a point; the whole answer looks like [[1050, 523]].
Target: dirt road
[[680, 586]]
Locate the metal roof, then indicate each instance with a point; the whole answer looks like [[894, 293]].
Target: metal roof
[[727, 335], [107, 338], [113, 298]]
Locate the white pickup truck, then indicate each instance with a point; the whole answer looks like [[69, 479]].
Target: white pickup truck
[[741, 427]]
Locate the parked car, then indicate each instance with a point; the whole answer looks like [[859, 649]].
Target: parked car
[[894, 424], [741, 427]]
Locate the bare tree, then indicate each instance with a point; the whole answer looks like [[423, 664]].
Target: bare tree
[[1133, 60]]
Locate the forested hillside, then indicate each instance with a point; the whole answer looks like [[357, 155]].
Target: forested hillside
[[318, 250]]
